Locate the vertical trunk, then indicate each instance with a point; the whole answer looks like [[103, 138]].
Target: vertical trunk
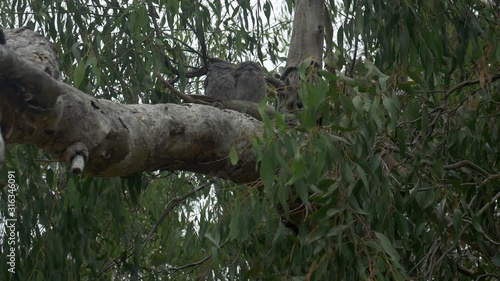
[[306, 45]]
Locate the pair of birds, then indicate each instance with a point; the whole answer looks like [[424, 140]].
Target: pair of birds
[[244, 81]]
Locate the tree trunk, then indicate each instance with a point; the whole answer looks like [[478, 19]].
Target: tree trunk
[[306, 46]]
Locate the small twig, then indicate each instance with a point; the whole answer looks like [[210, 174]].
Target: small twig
[[468, 83], [490, 178], [464, 270], [454, 110], [236, 258], [480, 277], [430, 257], [447, 251], [354, 57], [448, 93], [170, 206], [469, 164], [193, 264], [485, 207], [277, 83], [177, 92], [197, 263]]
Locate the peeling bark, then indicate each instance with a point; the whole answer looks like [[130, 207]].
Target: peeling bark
[[114, 139]]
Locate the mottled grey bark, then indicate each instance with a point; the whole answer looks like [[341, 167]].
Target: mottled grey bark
[[115, 139], [306, 46], [120, 140]]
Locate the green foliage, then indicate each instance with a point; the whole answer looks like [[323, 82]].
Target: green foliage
[[111, 50], [390, 171]]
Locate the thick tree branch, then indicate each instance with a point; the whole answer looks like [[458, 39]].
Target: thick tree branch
[[117, 139]]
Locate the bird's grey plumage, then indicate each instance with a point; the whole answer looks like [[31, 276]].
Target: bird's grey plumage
[[220, 82], [250, 82]]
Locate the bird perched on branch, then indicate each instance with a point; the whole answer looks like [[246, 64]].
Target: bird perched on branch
[[250, 82], [242, 82], [220, 82]]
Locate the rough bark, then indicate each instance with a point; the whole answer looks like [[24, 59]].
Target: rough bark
[[115, 139]]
